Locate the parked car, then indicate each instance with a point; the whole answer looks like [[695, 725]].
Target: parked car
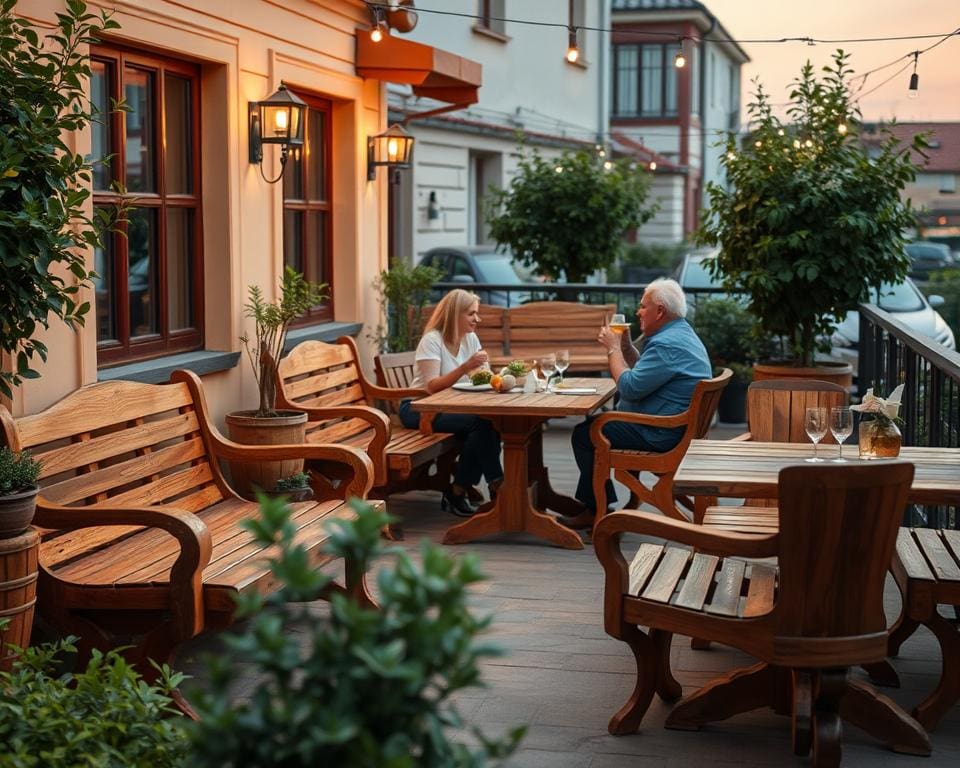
[[469, 264], [927, 256], [696, 280]]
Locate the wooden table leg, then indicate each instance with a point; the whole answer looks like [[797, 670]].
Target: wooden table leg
[[512, 511], [545, 497]]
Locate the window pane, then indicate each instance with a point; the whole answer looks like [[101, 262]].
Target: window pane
[[293, 239], [138, 91], [317, 246], [104, 290], [671, 105], [652, 77], [142, 271], [180, 268], [315, 150], [293, 174], [627, 80], [178, 147], [100, 137]]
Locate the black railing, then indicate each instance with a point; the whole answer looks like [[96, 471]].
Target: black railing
[[892, 354]]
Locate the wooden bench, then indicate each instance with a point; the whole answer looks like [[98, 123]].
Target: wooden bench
[[530, 331], [326, 381], [140, 538]]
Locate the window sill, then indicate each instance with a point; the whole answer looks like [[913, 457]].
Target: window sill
[[579, 63], [487, 32], [158, 370], [321, 332]]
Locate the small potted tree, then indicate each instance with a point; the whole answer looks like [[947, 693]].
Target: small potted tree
[[267, 425], [809, 222], [18, 491]]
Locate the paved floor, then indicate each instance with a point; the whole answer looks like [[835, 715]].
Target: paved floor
[[564, 677]]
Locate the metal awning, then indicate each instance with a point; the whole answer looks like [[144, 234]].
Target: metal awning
[[433, 73]]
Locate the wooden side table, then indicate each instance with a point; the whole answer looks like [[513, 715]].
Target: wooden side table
[[926, 566]]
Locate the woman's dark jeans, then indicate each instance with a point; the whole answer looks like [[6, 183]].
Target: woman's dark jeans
[[481, 443]]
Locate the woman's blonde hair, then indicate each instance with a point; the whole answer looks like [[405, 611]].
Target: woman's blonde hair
[[446, 315]]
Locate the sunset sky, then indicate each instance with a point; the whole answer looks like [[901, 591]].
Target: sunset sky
[[777, 65]]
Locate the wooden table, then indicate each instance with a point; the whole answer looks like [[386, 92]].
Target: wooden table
[[749, 470], [526, 489]]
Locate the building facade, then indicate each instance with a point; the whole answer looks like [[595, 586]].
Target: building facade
[[204, 221], [677, 113], [532, 90]]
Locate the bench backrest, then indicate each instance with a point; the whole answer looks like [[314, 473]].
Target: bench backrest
[[124, 442], [317, 374], [551, 325]]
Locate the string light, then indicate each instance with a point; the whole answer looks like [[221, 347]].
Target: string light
[[842, 129], [573, 50], [379, 27], [653, 165], [679, 59], [912, 92], [607, 165]]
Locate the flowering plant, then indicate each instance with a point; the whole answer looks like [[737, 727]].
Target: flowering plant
[[884, 409]]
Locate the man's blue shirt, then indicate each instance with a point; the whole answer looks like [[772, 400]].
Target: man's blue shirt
[[661, 383]]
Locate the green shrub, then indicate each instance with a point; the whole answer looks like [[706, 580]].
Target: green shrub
[[947, 284], [105, 716], [18, 471], [731, 335], [361, 687], [404, 291], [295, 482]]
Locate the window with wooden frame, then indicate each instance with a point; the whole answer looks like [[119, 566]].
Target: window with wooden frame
[[645, 80], [149, 293], [307, 204]]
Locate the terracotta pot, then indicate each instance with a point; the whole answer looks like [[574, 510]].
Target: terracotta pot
[[287, 428], [16, 512], [18, 592], [838, 373]]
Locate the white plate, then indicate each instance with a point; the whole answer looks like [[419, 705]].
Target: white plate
[[467, 386], [575, 391]]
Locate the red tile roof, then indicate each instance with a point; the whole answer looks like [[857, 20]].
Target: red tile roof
[[943, 156]]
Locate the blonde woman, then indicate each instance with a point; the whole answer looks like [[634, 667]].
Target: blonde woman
[[448, 351]]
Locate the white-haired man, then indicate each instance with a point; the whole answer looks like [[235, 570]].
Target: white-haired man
[[658, 380]]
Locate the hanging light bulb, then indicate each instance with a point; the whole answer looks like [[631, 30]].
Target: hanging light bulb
[[379, 27], [653, 165], [913, 91], [607, 165], [573, 50], [842, 129], [679, 59]]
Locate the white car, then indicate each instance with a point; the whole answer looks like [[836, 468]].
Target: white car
[[908, 306]]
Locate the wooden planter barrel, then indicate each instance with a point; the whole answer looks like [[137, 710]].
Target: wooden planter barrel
[[18, 591], [837, 373], [287, 428]]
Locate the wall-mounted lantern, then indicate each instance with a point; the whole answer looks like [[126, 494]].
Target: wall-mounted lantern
[[279, 120], [392, 148]]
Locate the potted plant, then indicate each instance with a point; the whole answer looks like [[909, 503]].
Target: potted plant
[[296, 487], [267, 425], [809, 222], [18, 491], [733, 340]]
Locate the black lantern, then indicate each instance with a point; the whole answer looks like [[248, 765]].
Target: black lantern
[[276, 120], [392, 148]]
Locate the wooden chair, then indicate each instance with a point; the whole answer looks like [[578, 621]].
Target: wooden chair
[[775, 413], [926, 566], [627, 465], [395, 370], [807, 619], [326, 381]]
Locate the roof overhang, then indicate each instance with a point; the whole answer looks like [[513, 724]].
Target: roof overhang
[[433, 73]]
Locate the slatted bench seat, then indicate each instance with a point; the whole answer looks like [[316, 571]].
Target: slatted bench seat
[[326, 381], [926, 566], [140, 537]]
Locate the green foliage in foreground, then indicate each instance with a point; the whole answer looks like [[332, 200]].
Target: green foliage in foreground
[[361, 687], [105, 716]]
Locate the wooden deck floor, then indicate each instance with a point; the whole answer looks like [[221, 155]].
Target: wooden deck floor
[[564, 677]]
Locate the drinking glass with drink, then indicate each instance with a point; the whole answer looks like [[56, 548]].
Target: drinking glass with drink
[[619, 324]]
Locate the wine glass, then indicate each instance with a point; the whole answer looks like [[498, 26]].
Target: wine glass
[[548, 364], [618, 323], [841, 427], [563, 362], [815, 424]]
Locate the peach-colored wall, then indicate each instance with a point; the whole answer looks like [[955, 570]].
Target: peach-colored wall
[[246, 48]]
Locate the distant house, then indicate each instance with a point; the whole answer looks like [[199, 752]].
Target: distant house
[[674, 113], [934, 193]]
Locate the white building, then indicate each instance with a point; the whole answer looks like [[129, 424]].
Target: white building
[[529, 86]]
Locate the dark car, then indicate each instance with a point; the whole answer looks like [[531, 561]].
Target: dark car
[[927, 256], [471, 264]]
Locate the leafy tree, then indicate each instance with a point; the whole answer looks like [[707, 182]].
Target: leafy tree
[[570, 213], [809, 222], [44, 186]]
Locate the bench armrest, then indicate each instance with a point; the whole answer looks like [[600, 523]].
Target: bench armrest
[[191, 533], [360, 465], [395, 393], [377, 421]]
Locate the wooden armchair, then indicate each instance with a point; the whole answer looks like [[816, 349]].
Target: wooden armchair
[[775, 413], [627, 465], [395, 370], [806, 620]]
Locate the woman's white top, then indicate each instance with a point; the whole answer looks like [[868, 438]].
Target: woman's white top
[[431, 347]]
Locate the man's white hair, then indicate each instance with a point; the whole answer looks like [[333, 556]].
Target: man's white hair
[[668, 292]]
